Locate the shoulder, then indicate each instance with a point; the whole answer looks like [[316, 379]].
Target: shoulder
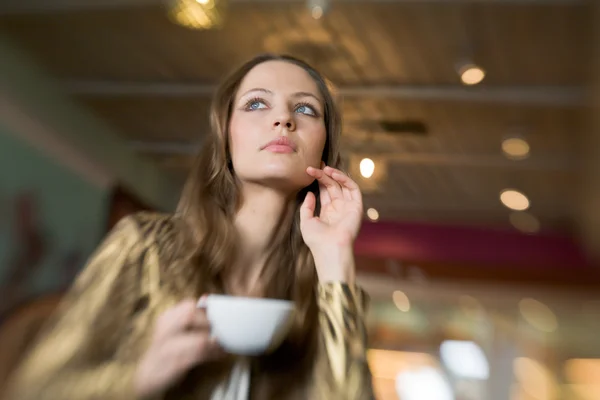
[[129, 247], [121, 257], [149, 227], [142, 231], [160, 233], [162, 246]]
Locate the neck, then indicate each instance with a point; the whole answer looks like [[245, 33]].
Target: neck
[[257, 221]]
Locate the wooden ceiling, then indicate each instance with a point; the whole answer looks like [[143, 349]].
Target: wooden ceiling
[[392, 61]]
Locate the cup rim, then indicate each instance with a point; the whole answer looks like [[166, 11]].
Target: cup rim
[[266, 301]]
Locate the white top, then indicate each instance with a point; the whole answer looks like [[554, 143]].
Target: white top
[[237, 387]]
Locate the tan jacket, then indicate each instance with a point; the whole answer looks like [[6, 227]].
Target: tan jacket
[[91, 347]]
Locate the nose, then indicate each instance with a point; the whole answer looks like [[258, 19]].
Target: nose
[[285, 120]]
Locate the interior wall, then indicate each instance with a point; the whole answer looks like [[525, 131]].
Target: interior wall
[[35, 95], [51, 219], [589, 215]]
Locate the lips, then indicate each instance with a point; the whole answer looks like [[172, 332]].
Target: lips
[[280, 142]]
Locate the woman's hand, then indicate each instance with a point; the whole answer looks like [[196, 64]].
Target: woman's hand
[[181, 341], [330, 235]]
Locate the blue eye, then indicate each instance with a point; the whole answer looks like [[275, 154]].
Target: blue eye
[[306, 109], [256, 105]]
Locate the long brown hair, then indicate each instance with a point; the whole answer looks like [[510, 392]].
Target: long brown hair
[[210, 200]]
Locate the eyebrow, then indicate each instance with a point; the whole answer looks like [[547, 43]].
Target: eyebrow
[[297, 94], [257, 90], [306, 94]]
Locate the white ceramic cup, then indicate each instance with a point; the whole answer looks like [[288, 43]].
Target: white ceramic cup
[[248, 326]]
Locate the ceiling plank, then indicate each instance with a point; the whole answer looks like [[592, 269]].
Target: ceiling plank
[[558, 96], [454, 160], [44, 6]]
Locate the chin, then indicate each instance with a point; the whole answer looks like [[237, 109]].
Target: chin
[[286, 180], [291, 182], [290, 171]]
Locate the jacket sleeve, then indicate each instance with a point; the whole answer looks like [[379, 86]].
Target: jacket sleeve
[[75, 358], [341, 369]]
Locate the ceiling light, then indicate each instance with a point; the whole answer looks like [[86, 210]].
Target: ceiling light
[[465, 359], [197, 14], [524, 222], [367, 167], [471, 74], [318, 8], [515, 148], [316, 12], [471, 306], [535, 379], [401, 301], [514, 200], [373, 214], [538, 315], [583, 371], [423, 383]]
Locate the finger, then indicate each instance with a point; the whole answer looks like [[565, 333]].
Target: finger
[[345, 181], [182, 317], [341, 177], [191, 349], [177, 317], [324, 195], [345, 190], [333, 173], [202, 301], [307, 210], [333, 187], [200, 320]]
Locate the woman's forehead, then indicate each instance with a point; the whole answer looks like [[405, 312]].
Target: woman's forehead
[[279, 76]]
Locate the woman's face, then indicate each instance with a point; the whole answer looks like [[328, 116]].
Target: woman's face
[[277, 128]]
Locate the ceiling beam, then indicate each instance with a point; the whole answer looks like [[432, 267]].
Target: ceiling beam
[[539, 163], [553, 96], [8, 7], [165, 148], [47, 6], [482, 161]]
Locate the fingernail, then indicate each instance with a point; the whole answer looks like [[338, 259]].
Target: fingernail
[[201, 303]]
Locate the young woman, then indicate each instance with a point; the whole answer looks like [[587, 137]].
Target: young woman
[[266, 213]]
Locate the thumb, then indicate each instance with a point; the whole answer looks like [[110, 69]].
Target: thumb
[[307, 211]]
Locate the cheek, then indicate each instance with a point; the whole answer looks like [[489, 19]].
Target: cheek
[[240, 137], [316, 145], [234, 137]]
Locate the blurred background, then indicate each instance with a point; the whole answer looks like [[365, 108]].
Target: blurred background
[[470, 125]]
